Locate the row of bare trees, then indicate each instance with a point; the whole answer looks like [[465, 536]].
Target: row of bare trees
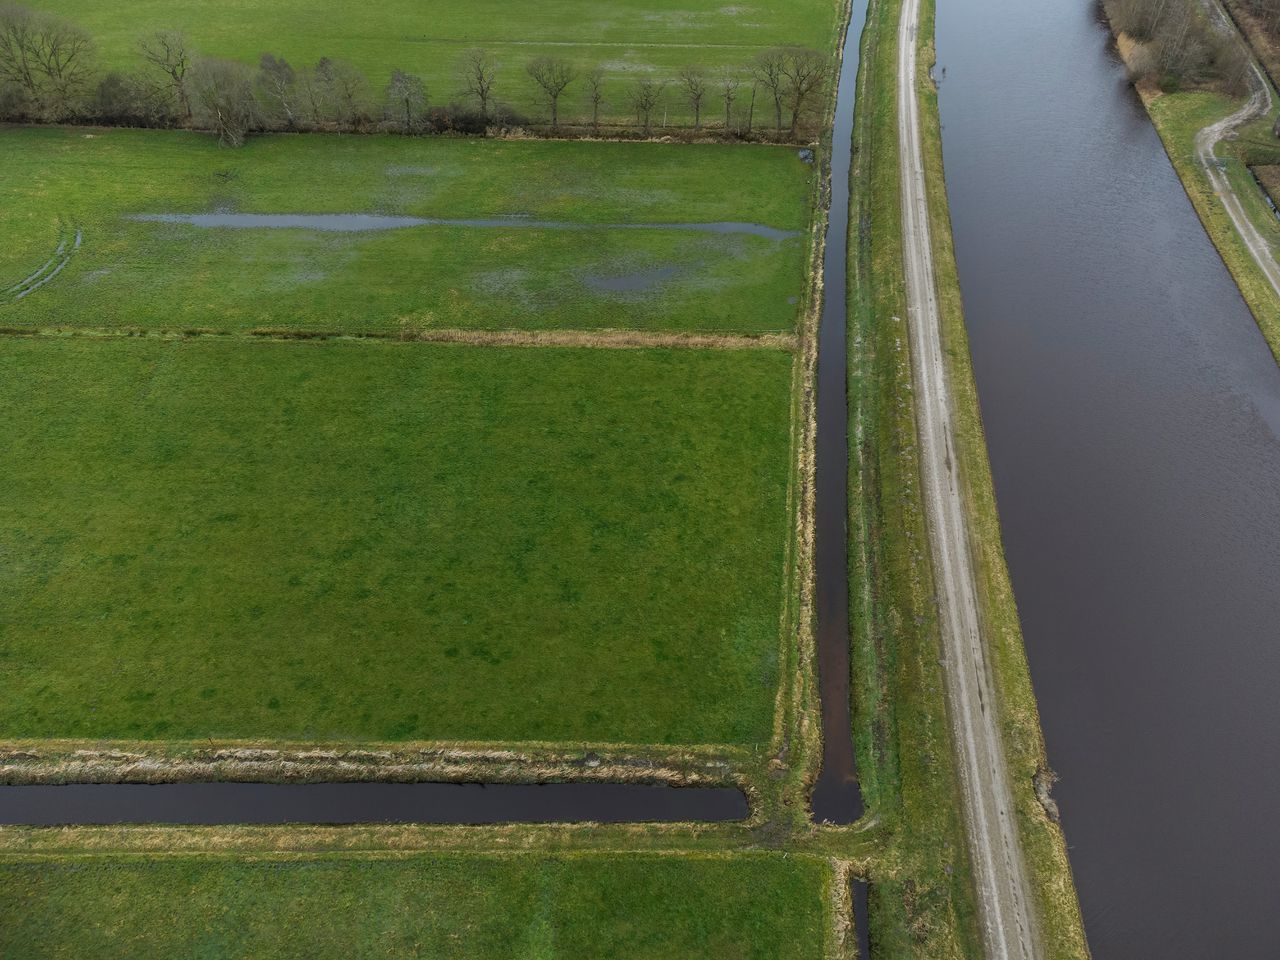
[[792, 78], [1176, 46], [47, 73]]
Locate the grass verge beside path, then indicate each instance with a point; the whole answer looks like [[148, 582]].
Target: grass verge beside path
[[772, 907], [147, 275], [395, 542], [922, 900]]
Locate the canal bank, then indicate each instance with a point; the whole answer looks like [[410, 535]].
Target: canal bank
[[900, 715], [1131, 409], [1213, 141]]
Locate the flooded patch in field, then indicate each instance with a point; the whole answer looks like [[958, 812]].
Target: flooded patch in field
[[637, 282], [409, 170], [365, 222]]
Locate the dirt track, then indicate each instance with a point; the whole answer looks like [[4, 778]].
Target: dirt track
[[1005, 913], [1258, 104]]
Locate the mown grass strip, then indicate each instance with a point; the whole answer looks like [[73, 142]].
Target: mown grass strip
[[765, 906]]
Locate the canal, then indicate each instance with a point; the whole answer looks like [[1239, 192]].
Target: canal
[[1133, 415]]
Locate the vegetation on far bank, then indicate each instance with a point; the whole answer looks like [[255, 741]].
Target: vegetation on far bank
[[84, 187], [1173, 46]]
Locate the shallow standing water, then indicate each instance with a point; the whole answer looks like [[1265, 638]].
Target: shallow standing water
[[1132, 411]]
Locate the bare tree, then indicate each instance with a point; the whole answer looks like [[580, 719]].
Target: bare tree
[[45, 57], [595, 93], [478, 72], [347, 92], [769, 72], [693, 81], [729, 83], [552, 75], [277, 86], [407, 99], [222, 98], [167, 51], [646, 94], [805, 71], [132, 100]]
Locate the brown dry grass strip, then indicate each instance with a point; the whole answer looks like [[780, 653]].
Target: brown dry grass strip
[[600, 339]]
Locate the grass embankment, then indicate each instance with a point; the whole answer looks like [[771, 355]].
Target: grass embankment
[[1178, 117], [395, 542], [920, 897], [423, 905], [923, 904], [625, 38], [174, 276]]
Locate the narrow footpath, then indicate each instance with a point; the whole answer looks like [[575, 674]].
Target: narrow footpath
[[1003, 894]]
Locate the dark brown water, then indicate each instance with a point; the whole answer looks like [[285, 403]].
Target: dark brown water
[[836, 796], [1132, 410], [465, 803]]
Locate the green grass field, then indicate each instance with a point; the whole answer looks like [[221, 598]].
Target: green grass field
[[627, 38], [441, 905], [165, 275], [368, 540]]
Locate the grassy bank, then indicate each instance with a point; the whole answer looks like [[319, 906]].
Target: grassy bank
[[424, 905], [625, 38], [391, 541], [923, 903], [123, 273], [1178, 117]]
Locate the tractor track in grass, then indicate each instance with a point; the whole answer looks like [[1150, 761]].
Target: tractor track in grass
[[47, 271]]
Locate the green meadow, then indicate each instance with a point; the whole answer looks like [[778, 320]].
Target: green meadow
[[769, 907], [625, 38], [593, 274], [369, 540]]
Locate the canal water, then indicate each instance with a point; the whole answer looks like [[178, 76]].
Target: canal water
[[836, 796], [460, 803], [1133, 414]]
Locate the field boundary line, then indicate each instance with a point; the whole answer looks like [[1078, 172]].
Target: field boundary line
[[24, 762], [607, 339]]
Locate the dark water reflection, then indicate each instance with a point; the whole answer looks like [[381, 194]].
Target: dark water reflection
[[837, 797], [462, 803], [1133, 411]]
